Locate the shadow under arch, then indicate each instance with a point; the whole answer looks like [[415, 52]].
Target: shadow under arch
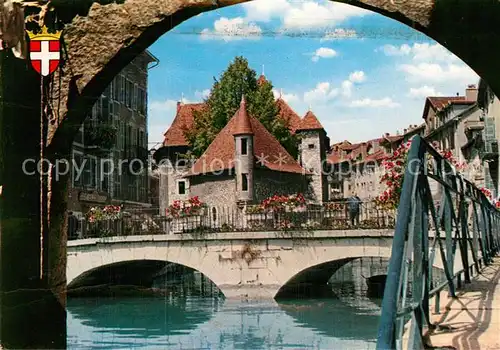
[[137, 25], [313, 282], [140, 273]]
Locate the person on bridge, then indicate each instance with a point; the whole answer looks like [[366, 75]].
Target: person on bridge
[[353, 205], [73, 226]]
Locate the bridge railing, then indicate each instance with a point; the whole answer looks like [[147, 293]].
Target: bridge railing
[[435, 201], [329, 216]]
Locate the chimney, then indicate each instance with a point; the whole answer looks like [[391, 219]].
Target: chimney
[[471, 93]]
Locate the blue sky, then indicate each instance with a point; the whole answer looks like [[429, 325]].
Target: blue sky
[[361, 73]]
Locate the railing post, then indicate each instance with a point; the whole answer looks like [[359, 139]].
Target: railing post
[[386, 335]]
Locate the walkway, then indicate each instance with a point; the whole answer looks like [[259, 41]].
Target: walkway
[[473, 320]]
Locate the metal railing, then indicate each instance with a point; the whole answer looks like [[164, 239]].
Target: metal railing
[[470, 223], [330, 216]]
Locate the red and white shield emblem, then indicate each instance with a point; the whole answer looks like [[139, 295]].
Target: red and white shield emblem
[[45, 51]]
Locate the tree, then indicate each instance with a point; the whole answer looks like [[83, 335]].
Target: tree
[[224, 101]]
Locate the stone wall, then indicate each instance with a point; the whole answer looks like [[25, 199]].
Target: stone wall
[[214, 190], [312, 155]]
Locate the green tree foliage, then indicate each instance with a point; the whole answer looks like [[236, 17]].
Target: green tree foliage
[[224, 100]]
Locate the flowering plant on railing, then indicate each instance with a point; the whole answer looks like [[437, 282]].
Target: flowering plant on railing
[[333, 206], [392, 178], [394, 167], [497, 204], [109, 212], [487, 193], [178, 208], [283, 202]]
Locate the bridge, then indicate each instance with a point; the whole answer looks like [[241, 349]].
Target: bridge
[[253, 265], [453, 226]]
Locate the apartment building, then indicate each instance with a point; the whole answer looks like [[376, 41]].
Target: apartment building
[[110, 154]]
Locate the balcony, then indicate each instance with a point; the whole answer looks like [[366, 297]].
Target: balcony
[[474, 125], [490, 149], [99, 140]]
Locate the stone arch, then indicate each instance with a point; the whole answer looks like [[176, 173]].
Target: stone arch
[[317, 273], [107, 37], [81, 265]]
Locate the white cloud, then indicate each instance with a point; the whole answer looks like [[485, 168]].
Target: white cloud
[[391, 50], [289, 98], [423, 92], [265, 10], [435, 73], [161, 114], [302, 14], [202, 94], [347, 88], [323, 52], [368, 102], [357, 76], [321, 93], [339, 33], [232, 29], [422, 52], [310, 14]]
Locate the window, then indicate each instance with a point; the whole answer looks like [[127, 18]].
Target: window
[[311, 145], [129, 93], [122, 89], [244, 182], [214, 214], [89, 172], [134, 97], [141, 101], [77, 168], [116, 88], [244, 146], [181, 187]]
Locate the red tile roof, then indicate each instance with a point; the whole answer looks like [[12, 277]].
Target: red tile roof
[[440, 103], [288, 115], [359, 149], [243, 126], [184, 119], [268, 151], [310, 122]]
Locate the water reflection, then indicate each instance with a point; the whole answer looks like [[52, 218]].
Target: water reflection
[[210, 323]]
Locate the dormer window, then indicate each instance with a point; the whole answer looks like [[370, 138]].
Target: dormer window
[[244, 146], [310, 146]]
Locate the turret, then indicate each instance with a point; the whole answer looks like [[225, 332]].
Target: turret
[[313, 154], [244, 155]]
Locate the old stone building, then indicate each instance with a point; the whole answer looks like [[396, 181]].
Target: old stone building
[[110, 151], [456, 124], [490, 107], [356, 168], [245, 163]]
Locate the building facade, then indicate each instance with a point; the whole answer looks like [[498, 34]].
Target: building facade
[[490, 108], [110, 157], [244, 165]]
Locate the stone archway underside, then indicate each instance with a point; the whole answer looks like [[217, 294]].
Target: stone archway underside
[[102, 42]]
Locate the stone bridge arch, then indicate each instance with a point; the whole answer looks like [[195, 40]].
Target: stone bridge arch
[[241, 266], [102, 39]]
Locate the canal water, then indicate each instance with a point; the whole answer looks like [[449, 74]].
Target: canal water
[[191, 314], [200, 322]]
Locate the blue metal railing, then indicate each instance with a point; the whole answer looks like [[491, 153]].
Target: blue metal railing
[[462, 209]]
